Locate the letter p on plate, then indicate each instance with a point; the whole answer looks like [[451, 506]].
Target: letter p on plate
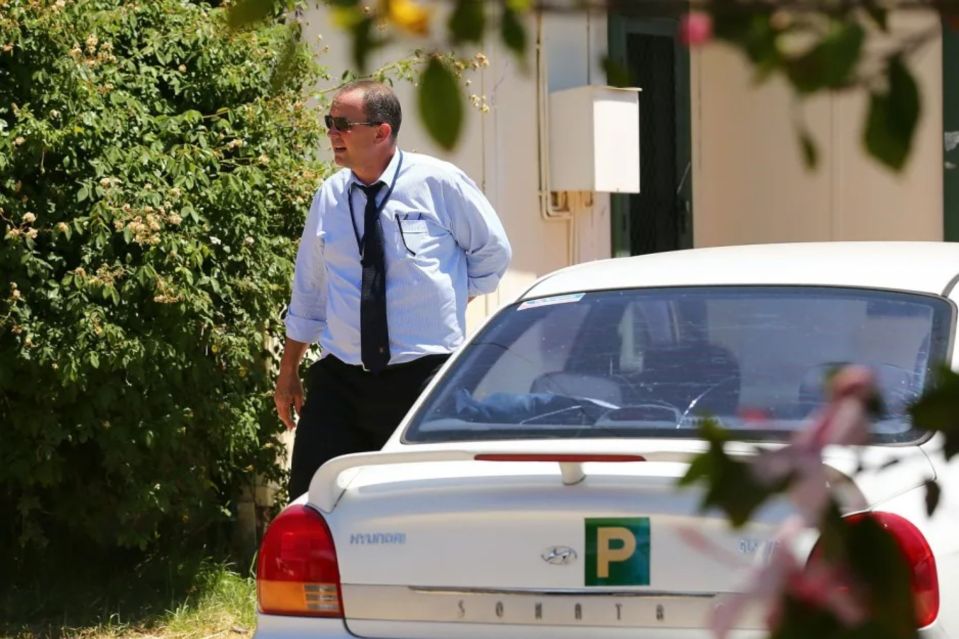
[[625, 546], [617, 551]]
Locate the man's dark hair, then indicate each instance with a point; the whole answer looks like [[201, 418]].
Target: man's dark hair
[[380, 104]]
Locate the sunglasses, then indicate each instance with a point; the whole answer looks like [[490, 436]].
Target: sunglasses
[[339, 123]]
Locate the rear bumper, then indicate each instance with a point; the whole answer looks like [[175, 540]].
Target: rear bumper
[[281, 627], [278, 627]]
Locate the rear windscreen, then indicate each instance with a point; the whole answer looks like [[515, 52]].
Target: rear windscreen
[[654, 362]]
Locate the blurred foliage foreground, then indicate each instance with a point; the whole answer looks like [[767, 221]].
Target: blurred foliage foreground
[[154, 170]]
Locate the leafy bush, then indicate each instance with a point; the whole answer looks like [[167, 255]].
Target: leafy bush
[[154, 171]]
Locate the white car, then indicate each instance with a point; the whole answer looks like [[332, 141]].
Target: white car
[[531, 491]]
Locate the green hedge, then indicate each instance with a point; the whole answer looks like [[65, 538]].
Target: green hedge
[[155, 168]]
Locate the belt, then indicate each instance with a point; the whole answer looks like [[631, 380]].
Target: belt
[[437, 357]]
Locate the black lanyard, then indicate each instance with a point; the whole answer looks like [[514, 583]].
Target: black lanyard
[[379, 209]]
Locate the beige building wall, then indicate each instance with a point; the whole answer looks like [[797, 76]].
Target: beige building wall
[[750, 184], [749, 181]]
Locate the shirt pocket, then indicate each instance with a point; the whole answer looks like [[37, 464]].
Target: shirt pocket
[[422, 237], [413, 226]]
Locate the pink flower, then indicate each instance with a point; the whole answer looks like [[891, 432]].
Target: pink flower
[[843, 422], [818, 584], [765, 585], [695, 28]]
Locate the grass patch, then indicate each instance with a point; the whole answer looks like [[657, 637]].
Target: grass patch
[[226, 606], [183, 599]]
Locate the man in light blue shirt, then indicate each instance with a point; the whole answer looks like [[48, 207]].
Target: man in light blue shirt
[[387, 306]]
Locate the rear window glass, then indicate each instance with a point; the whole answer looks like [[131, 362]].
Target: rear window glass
[[653, 362]]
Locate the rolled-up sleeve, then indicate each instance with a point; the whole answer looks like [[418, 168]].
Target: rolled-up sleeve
[[306, 316], [479, 232]]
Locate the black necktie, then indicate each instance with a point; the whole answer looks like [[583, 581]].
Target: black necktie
[[374, 332]]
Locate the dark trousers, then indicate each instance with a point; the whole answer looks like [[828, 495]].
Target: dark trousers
[[349, 410]]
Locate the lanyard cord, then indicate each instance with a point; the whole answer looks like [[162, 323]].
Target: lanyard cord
[[379, 209]]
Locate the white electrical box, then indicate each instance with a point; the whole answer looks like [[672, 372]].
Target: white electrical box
[[594, 139]]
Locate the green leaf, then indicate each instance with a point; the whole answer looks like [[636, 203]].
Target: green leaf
[[810, 153], [468, 21], [933, 493], [513, 32], [938, 410], [730, 484], [893, 115], [616, 74], [441, 104], [753, 33], [364, 42], [246, 13], [878, 13], [830, 63], [799, 620]]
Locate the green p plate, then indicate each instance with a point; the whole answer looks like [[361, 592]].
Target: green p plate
[[617, 551]]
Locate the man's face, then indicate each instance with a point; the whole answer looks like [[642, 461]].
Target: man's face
[[355, 147]]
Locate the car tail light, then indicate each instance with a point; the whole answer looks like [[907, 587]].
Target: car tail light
[[296, 572], [923, 576]]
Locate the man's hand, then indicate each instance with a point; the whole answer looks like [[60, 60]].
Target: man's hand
[[288, 395]]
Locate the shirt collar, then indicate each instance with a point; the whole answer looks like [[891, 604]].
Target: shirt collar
[[388, 174]]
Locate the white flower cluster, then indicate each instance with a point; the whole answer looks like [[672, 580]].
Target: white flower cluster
[[146, 223], [94, 52], [164, 294], [479, 102], [24, 229]]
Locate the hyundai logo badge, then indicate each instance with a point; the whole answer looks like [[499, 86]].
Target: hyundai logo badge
[[559, 555]]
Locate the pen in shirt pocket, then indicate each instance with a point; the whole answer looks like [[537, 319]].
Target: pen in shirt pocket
[[399, 223]]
